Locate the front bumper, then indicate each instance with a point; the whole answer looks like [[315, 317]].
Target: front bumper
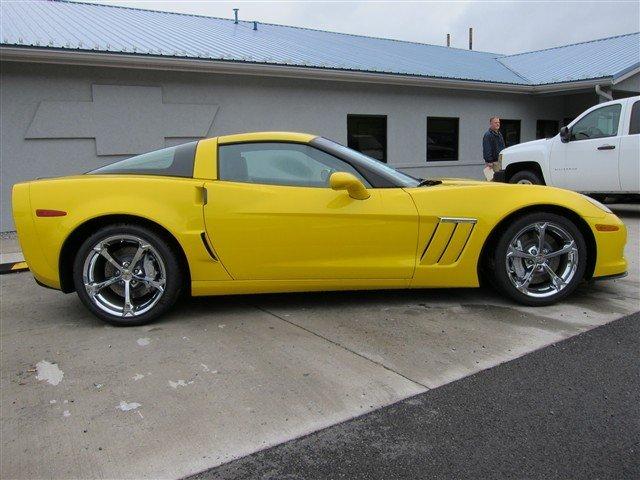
[[610, 245], [500, 176]]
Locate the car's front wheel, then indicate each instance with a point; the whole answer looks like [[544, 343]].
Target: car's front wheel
[[540, 259], [127, 274]]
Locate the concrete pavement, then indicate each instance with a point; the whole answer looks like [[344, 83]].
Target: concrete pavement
[[220, 378], [570, 410]]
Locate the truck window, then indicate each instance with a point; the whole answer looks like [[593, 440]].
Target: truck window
[[599, 123], [634, 124]]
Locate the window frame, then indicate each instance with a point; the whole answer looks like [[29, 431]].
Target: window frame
[[385, 157], [617, 132], [457, 142]]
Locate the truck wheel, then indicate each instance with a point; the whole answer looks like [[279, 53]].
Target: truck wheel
[[526, 177], [127, 275]]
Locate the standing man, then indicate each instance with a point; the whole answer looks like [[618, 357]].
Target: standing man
[[492, 145]]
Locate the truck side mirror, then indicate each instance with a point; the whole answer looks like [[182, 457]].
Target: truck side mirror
[[565, 134]]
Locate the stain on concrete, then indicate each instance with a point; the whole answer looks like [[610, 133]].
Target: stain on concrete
[[49, 372], [125, 407]]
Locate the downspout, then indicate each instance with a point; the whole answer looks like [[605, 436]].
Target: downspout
[[604, 96]]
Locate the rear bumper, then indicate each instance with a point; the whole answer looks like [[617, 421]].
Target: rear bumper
[[29, 239]]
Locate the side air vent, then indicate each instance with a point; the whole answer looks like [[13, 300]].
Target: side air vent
[[447, 241], [203, 236]]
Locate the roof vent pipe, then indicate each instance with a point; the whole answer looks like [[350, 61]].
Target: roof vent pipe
[[448, 39], [255, 25], [235, 14], [470, 38]]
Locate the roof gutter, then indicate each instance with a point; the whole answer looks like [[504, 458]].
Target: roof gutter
[[118, 60], [604, 95], [150, 62]]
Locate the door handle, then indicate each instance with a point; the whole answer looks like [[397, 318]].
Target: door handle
[[606, 147]]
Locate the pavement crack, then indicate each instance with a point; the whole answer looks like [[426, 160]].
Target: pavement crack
[[341, 346]]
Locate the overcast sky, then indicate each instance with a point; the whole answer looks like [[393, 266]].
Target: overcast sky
[[502, 27]]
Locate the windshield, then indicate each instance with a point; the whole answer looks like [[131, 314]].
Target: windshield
[[358, 159]]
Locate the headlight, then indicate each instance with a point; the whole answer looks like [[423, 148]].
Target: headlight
[[598, 204], [500, 158]]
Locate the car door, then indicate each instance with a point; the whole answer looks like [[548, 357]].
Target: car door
[[271, 215], [630, 151], [591, 154]]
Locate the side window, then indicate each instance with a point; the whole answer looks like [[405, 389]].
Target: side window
[[600, 123], [634, 124], [173, 162], [287, 164]]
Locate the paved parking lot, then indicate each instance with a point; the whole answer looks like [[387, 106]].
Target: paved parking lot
[[220, 378]]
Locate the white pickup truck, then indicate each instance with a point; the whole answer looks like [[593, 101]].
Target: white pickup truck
[[598, 153]]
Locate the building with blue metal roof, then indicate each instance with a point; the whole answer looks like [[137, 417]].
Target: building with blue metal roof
[[85, 84]]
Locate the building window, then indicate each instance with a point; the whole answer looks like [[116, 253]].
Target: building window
[[510, 130], [547, 128], [368, 135], [442, 139]]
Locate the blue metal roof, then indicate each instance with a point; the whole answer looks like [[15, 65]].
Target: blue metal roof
[[111, 29], [607, 57]]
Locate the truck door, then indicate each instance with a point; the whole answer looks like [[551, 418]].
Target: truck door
[[630, 152], [591, 155]]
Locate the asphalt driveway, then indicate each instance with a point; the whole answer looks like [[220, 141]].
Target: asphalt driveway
[[221, 378]]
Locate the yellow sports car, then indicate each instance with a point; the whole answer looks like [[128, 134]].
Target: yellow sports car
[[284, 212]]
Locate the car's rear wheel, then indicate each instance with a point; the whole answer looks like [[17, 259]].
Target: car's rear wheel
[[526, 177], [540, 259], [127, 275]]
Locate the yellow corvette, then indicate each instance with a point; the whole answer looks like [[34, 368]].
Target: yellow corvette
[[284, 212]]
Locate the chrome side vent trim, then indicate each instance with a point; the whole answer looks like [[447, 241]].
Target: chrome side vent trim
[[458, 220]]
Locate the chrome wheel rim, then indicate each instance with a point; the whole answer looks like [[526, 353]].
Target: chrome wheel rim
[[541, 259], [524, 181], [124, 275]]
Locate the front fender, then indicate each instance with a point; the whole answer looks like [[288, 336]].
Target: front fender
[[537, 152]]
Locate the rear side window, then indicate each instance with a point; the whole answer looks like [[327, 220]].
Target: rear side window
[[634, 124], [171, 162]]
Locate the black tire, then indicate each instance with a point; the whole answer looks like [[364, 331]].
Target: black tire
[[173, 283], [524, 176], [498, 260]]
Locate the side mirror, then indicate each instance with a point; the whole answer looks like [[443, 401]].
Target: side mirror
[[348, 182], [565, 134]]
